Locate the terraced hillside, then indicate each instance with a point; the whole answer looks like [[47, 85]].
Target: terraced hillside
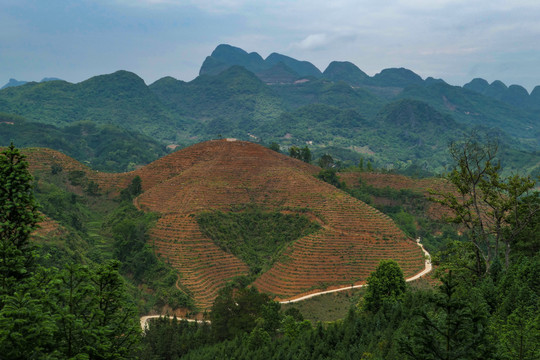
[[222, 175], [42, 159], [402, 182]]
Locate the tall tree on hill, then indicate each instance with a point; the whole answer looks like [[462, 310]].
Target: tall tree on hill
[[494, 209], [44, 313], [18, 219], [303, 154], [26, 326], [452, 327]]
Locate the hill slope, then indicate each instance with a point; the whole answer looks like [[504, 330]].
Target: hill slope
[[121, 98], [223, 174]]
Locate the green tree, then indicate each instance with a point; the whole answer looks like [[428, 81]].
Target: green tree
[[236, 311], [303, 154], [95, 319], [330, 176], [519, 335], [326, 161], [494, 209], [452, 327], [72, 303], [113, 318], [18, 219], [133, 190], [26, 326], [294, 152], [274, 146], [92, 188], [369, 166], [385, 285]]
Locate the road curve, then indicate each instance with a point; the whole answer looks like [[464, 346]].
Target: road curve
[[427, 269], [144, 320]]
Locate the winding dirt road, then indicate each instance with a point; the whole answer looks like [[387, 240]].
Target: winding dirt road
[[428, 267], [144, 320], [426, 270]]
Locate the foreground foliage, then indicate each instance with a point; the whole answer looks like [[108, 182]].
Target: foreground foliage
[[45, 312], [492, 208]]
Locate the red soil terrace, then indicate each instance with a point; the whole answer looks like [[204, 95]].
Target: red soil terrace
[[401, 182], [219, 174]]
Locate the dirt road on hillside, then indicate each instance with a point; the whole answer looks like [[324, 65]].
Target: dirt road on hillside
[[427, 268]]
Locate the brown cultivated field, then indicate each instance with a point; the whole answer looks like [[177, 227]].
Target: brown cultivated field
[[401, 182], [221, 174]]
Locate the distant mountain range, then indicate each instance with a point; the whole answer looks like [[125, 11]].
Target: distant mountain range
[[14, 82], [394, 118], [277, 68]]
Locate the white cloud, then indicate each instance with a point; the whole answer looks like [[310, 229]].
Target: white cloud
[[209, 6], [440, 38], [313, 42]]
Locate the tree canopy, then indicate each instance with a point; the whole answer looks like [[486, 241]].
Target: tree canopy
[[492, 208]]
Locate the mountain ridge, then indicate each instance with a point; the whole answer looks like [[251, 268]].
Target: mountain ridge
[[248, 105]]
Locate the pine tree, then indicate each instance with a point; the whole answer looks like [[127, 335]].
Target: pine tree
[[452, 328], [26, 325], [18, 219]]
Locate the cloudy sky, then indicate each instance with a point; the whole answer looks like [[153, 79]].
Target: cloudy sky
[[456, 40]]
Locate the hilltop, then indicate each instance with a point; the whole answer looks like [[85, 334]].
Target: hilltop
[[220, 175], [229, 175]]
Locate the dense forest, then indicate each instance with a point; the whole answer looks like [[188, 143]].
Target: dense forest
[[71, 301]]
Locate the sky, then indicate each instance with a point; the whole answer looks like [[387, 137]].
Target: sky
[[456, 40]]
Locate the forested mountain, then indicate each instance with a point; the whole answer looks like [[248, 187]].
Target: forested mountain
[[209, 226], [225, 56], [15, 82], [102, 147], [345, 71], [121, 99], [514, 95], [242, 95], [233, 103]]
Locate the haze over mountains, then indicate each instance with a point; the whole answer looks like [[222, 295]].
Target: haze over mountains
[[395, 118], [225, 56], [15, 82]]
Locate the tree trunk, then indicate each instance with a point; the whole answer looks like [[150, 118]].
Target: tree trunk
[[507, 255]]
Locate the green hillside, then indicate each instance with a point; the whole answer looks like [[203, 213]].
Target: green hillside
[[345, 71], [102, 147], [283, 100], [120, 99], [232, 103], [474, 109]]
